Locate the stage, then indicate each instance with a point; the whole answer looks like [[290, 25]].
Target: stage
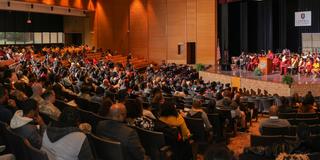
[[272, 83]]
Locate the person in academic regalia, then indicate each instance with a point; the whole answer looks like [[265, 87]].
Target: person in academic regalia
[[276, 63]]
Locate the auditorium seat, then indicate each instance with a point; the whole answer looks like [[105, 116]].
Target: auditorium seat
[[270, 131], [34, 153], [308, 121], [287, 115], [16, 145], [217, 126], [88, 117], [199, 134], [256, 140], [88, 105], [47, 119], [105, 148], [60, 104], [154, 144], [307, 115]]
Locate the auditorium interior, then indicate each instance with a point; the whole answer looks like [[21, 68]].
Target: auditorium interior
[[159, 80]]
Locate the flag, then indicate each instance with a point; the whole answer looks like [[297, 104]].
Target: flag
[[218, 52]]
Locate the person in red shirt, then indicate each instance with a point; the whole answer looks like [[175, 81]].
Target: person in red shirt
[[285, 63], [275, 63]]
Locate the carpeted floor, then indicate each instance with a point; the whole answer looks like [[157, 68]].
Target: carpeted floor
[[242, 139]]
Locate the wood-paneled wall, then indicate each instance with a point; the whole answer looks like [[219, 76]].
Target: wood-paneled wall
[[173, 22], [152, 29]]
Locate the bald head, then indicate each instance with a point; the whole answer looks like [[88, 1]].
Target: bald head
[[117, 112], [273, 111]]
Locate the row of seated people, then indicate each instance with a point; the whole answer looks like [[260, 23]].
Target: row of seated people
[[22, 124]]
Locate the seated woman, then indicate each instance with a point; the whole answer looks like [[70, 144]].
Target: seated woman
[[171, 117], [135, 115], [66, 141]]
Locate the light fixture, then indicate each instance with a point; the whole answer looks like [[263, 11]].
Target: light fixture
[[29, 19]]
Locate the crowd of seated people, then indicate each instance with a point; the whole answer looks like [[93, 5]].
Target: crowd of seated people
[[150, 100]]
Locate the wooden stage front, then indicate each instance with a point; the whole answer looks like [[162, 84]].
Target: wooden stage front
[[271, 83]]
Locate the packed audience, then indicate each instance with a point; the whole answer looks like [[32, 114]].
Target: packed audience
[[160, 98]]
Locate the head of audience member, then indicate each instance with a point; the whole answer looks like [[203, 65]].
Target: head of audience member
[[226, 94], [37, 89], [105, 107], [134, 108], [219, 96], [30, 108], [122, 96], [196, 104], [303, 131], [69, 117], [168, 109], [273, 111], [215, 152], [118, 112], [49, 96], [3, 95], [308, 100], [157, 97], [99, 91]]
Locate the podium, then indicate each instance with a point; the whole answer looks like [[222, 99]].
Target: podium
[[265, 65]]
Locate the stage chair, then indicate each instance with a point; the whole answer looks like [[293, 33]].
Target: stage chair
[[106, 148], [154, 144], [228, 122], [272, 131]]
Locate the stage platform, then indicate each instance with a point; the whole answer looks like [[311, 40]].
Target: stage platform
[[271, 83]]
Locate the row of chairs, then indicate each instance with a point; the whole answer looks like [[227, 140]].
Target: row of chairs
[[298, 115], [153, 143], [256, 140], [20, 147], [289, 131]]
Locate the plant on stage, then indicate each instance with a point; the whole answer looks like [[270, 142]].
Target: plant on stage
[[200, 67], [257, 72], [287, 79]]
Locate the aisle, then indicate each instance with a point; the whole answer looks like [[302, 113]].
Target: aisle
[[242, 140]]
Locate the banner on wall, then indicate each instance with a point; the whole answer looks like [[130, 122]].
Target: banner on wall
[[303, 19]]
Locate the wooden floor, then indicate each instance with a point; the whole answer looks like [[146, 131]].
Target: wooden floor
[[242, 140]]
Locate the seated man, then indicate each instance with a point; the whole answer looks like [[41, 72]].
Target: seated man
[[22, 123], [47, 107], [115, 128], [274, 120]]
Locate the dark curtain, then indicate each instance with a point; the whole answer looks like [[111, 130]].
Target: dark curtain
[[254, 26]]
